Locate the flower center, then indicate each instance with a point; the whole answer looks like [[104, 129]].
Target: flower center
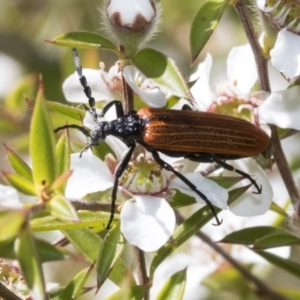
[[144, 176], [285, 13]]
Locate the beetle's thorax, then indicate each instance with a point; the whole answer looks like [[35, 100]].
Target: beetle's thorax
[[127, 128]]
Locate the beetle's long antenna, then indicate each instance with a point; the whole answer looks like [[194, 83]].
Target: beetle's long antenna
[[87, 90]]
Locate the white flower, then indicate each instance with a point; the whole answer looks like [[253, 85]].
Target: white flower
[[147, 220], [9, 197], [108, 86], [285, 55], [105, 86], [242, 75]]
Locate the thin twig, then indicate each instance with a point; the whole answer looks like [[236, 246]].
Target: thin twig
[[263, 78], [90, 205], [7, 294], [140, 265], [262, 290]]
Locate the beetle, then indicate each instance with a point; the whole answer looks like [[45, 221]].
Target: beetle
[[197, 136]]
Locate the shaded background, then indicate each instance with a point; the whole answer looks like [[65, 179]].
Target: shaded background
[[26, 24]]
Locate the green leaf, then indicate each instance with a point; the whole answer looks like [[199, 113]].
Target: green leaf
[[285, 264], [42, 146], [88, 219], [163, 71], [204, 24], [27, 255], [174, 288], [20, 183], [26, 87], [62, 208], [229, 279], [132, 293], [62, 154], [10, 223], [18, 164], [74, 288], [274, 207], [46, 251], [89, 244], [189, 227], [83, 39], [66, 110], [111, 249], [262, 237], [226, 181]]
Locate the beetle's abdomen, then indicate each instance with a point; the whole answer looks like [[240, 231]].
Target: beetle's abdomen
[[200, 132]]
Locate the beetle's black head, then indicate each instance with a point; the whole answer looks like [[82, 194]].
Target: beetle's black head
[[99, 133]]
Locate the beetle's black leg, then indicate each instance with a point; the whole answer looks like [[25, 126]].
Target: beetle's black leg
[[231, 168], [80, 128], [168, 167], [118, 174], [117, 104]]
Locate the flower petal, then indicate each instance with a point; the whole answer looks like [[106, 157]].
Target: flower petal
[[90, 174], [241, 68], [201, 89], [261, 4], [285, 56], [97, 80], [282, 109], [9, 197], [142, 86], [217, 195], [250, 204], [147, 222]]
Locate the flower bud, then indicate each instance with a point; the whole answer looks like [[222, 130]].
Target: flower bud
[[131, 23], [281, 36]]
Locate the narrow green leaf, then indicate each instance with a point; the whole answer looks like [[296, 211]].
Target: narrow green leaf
[[87, 220], [83, 39], [111, 249], [132, 293], [189, 228], [174, 288], [18, 164], [276, 240], [163, 71], [226, 181], [10, 223], [62, 208], [46, 251], [66, 110], [25, 88], [89, 244], [27, 255], [204, 24], [74, 288], [62, 154], [285, 264], [262, 237], [276, 208], [229, 279], [291, 293], [42, 145], [20, 183]]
